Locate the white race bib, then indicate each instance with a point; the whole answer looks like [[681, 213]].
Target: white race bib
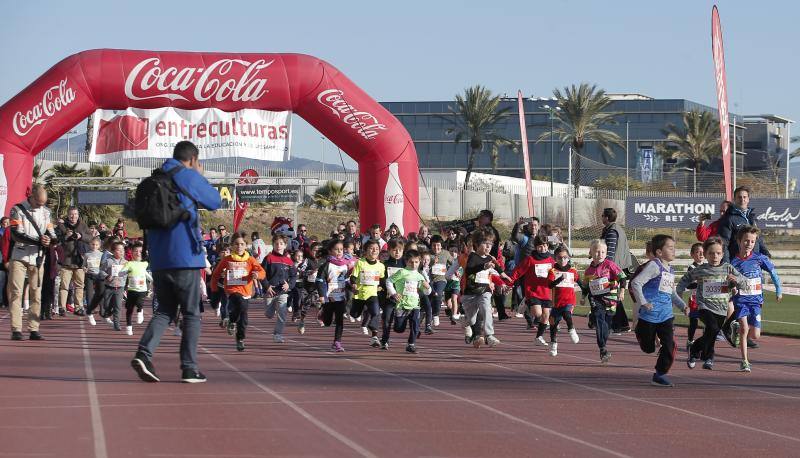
[[542, 270], [667, 283], [93, 263], [568, 280], [235, 273], [391, 271], [715, 288], [115, 270], [599, 286], [751, 287], [482, 277], [139, 282], [438, 269], [369, 278], [410, 288], [336, 290]]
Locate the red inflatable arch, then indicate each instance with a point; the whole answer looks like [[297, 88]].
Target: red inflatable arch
[[117, 79]]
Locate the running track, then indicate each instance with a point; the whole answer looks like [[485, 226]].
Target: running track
[[75, 395]]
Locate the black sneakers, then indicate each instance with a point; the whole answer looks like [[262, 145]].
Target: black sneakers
[[192, 376], [144, 368], [16, 335], [240, 345], [36, 336]]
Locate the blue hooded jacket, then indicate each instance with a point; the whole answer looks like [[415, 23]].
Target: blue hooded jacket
[[730, 223], [180, 247]]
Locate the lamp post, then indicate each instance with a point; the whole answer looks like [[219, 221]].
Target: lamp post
[[323, 155], [552, 116], [694, 177]]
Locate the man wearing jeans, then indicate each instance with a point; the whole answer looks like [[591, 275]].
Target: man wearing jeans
[[176, 258]]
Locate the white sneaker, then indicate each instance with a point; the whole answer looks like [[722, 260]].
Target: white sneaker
[[352, 320], [177, 331], [277, 338], [467, 331], [92, 321], [554, 349], [219, 311], [109, 321], [436, 320], [492, 341], [364, 330], [540, 340], [140, 317], [573, 334], [129, 330], [26, 306], [518, 315], [456, 316]]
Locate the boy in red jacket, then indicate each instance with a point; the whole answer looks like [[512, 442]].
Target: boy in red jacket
[[535, 270]]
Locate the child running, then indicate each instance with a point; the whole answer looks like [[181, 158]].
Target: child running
[[95, 287], [309, 297], [139, 285], [241, 270], [364, 280], [280, 278], [478, 289], [712, 281], [563, 278], [405, 287], [394, 263], [441, 260], [535, 270], [332, 285], [653, 289], [698, 259], [604, 283], [114, 278], [750, 298]]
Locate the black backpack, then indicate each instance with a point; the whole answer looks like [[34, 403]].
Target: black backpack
[[157, 205]]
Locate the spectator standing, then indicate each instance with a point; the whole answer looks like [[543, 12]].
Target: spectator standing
[[616, 240], [737, 216], [706, 229], [73, 236]]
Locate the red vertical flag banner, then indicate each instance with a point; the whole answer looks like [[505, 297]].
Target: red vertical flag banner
[[523, 132], [248, 176], [722, 98]]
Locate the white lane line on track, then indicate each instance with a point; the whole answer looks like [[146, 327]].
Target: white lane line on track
[[304, 413], [474, 403], [100, 450]]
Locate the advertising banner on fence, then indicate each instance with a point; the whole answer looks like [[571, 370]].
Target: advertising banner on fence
[[272, 193], [684, 213], [137, 132]]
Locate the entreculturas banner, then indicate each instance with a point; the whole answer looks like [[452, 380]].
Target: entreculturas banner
[[136, 132]]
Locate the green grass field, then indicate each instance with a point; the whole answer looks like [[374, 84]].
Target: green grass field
[[777, 317]]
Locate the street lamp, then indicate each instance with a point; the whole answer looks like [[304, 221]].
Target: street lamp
[[694, 177], [552, 115]]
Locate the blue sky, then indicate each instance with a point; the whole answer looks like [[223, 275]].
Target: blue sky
[[430, 50]]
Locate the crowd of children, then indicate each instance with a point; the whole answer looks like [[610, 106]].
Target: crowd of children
[[391, 285]]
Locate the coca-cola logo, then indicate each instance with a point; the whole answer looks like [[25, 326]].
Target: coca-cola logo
[[53, 101], [218, 81], [366, 123], [394, 198]]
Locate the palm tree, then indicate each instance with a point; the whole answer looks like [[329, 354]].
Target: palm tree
[[796, 152], [60, 196], [475, 119], [697, 142], [581, 119], [331, 195], [100, 213]]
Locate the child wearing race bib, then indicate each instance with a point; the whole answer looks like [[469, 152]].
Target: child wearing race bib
[[478, 290], [281, 276], [441, 260], [300, 266], [332, 285], [653, 290], [139, 285], [240, 271], [604, 283], [365, 280], [114, 277], [452, 291], [425, 299], [563, 278], [698, 259], [405, 287], [218, 299], [394, 263], [535, 270], [750, 296], [712, 282], [309, 297], [94, 284]]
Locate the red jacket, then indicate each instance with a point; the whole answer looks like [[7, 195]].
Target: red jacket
[[703, 233], [534, 272]]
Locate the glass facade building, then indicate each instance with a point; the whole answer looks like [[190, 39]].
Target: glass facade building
[[640, 124]]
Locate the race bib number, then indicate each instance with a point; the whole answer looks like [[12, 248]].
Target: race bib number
[[482, 277], [235, 273], [542, 270], [336, 290], [93, 264], [391, 271], [568, 280], [717, 288], [599, 286], [667, 283], [438, 269], [139, 282], [115, 270], [751, 287], [369, 278], [410, 288]]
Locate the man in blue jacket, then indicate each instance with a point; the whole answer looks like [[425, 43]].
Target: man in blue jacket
[[176, 258], [737, 216]]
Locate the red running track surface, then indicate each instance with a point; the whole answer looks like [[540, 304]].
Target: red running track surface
[[75, 395]]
